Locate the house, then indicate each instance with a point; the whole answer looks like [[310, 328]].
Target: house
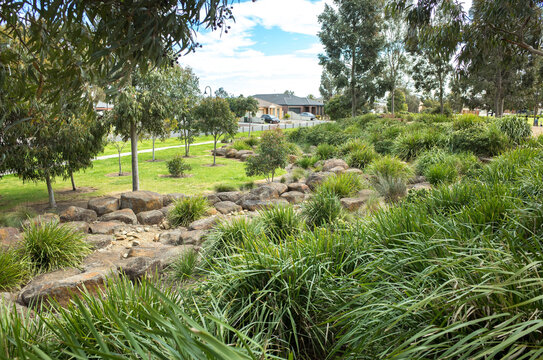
[[266, 107], [291, 103]]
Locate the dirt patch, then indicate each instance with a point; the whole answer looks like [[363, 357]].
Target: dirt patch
[[537, 130], [116, 174], [211, 165], [80, 190], [175, 177]]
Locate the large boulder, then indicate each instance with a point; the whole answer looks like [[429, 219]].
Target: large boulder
[[333, 163], [244, 157], [266, 192], [293, 197], [204, 224], [104, 205], [100, 241], [62, 285], [253, 205], [140, 201], [232, 196], [300, 187], [41, 219], [352, 204], [227, 207], [166, 209], [354, 171], [80, 226], [242, 153], [192, 237], [212, 198], [9, 237], [105, 227], [152, 217], [231, 153], [171, 198], [316, 178], [126, 216], [138, 267], [74, 213], [173, 254], [220, 151], [171, 237]]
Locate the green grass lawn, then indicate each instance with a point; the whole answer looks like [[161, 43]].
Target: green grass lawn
[[14, 192]]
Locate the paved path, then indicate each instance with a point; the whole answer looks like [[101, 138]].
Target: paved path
[[114, 156]]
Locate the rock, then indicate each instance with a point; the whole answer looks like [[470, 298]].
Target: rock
[[365, 194], [300, 187], [279, 187], [253, 205], [100, 241], [353, 171], [106, 227], [137, 267], [266, 192], [220, 151], [232, 196], [140, 201], [166, 209], [316, 178], [104, 205], [332, 163], [74, 213], [126, 216], [212, 198], [135, 243], [171, 198], [420, 186], [227, 207], [80, 226], [352, 204], [62, 285], [244, 157], [244, 152], [8, 300], [417, 179], [9, 237], [294, 197], [45, 218], [143, 252], [337, 169], [231, 153], [204, 224], [171, 255], [150, 217], [192, 237], [172, 237]]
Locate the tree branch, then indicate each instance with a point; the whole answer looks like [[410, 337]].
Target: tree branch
[[525, 46]]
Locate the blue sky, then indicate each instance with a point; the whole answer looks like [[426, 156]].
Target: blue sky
[[271, 47]]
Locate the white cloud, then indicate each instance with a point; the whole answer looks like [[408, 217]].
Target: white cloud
[[227, 60]]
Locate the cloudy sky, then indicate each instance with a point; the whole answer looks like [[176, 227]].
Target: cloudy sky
[[271, 47]]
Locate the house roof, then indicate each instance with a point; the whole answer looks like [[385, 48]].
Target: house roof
[[266, 104], [292, 100]]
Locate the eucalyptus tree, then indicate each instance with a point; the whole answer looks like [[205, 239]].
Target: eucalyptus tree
[[394, 54], [352, 39]]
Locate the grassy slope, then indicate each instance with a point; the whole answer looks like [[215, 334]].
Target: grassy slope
[[14, 192]]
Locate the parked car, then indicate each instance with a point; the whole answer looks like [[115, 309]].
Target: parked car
[[270, 119], [308, 115]]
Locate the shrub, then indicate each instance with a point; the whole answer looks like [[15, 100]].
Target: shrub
[[306, 162], [177, 166], [271, 155], [409, 145], [241, 145], [466, 121], [329, 133], [391, 188], [15, 269], [382, 136], [247, 186], [360, 158], [325, 151], [322, 208], [390, 167], [227, 236], [293, 149], [280, 222], [50, 246], [187, 210], [17, 217], [252, 141], [185, 267], [342, 185], [441, 173], [516, 128], [480, 140], [224, 188], [297, 174], [464, 163], [352, 145]]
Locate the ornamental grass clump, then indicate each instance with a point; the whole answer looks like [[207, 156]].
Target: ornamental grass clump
[[391, 188], [51, 246], [361, 157], [343, 184], [225, 188], [390, 167], [184, 268], [441, 173], [323, 208], [516, 128], [306, 162], [15, 269], [280, 222], [187, 210], [325, 151]]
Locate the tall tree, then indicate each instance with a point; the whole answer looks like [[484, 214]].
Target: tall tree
[[141, 107], [216, 119], [222, 93], [351, 35], [394, 54], [327, 87]]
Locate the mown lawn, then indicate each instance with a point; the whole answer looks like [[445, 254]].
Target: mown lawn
[[14, 192]]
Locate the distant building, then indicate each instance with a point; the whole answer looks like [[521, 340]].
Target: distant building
[[290, 103], [266, 107]]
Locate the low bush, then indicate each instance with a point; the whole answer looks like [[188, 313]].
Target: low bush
[[297, 174], [360, 158], [280, 222], [391, 188], [351, 145], [184, 267], [329, 133], [224, 188], [17, 217], [51, 246], [441, 173], [323, 208], [306, 162], [467, 121], [465, 163], [229, 236], [409, 145], [177, 166], [251, 141], [325, 151], [187, 210], [383, 135], [247, 186], [516, 128], [342, 185], [15, 269], [481, 140], [241, 145], [390, 167]]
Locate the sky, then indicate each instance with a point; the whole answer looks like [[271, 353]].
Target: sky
[[271, 47]]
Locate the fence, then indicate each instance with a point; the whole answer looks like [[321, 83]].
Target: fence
[[261, 127]]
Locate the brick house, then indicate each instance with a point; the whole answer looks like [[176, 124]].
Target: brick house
[[292, 103]]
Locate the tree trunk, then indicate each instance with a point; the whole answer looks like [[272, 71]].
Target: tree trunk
[[441, 91], [120, 166], [392, 100], [187, 145], [52, 203], [353, 95], [214, 148], [153, 148], [498, 97], [73, 182], [134, 150]]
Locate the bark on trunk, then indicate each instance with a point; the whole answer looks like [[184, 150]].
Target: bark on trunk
[[134, 149], [153, 148], [52, 202], [353, 95], [214, 148], [498, 97], [73, 182], [392, 100], [120, 166]]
